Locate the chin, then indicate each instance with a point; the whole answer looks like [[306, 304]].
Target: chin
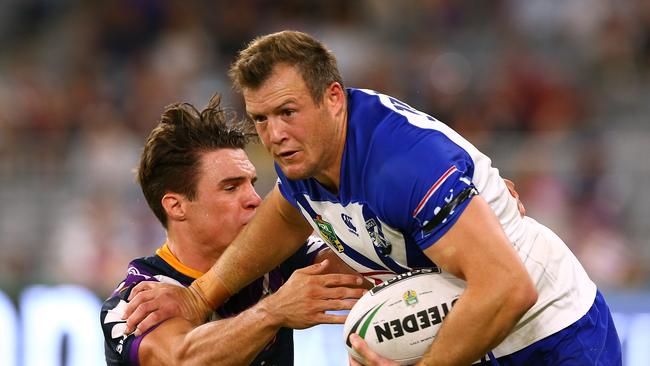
[[294, 172]]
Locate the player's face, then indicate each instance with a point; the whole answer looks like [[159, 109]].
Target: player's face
[[225, 197], [303, 137]]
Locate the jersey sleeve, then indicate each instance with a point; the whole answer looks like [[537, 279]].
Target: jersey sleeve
[[285, 187], [121, 349], [424, 182]]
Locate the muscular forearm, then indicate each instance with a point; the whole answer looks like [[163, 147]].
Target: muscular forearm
[[478, 322], [232, 341], [499, 289], [275, 233]]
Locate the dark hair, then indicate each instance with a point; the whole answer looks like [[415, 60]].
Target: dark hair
[[170, 160], [315, 63]]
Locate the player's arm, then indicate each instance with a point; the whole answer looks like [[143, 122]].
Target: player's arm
[[300, 303], [175, 342], [254, 252], [499, 289]]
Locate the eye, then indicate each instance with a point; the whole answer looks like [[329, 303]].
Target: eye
[[230, 187], [258, 118], [288, 112]]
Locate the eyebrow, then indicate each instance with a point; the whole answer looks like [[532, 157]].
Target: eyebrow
[[253, 116], [236, 180]]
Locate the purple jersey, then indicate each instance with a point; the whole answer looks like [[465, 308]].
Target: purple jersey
[[164, 267]]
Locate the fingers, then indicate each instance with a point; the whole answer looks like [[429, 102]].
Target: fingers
[[353, 362], [337, 279], [341, 293], [136, 301], [521, 208], [327, 318], [315, 268], [360, 346], [140, 287], [139, 312], [369, 356], [149, 321], [511, 188]]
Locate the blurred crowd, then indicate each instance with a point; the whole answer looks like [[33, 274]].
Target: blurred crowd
[[556, 91]]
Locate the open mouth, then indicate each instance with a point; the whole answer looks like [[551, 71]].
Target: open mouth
[[287, 154]]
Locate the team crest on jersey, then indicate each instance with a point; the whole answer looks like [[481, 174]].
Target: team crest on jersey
[[377, 237], [410, 297], [328, 233]]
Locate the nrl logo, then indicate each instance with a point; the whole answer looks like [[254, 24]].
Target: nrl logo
[[327, 232], [410, 297]]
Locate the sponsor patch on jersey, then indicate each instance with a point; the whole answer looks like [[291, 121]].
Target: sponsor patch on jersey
[[327, 232], [377, 236]]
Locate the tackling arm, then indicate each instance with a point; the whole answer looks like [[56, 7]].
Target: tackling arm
[[499, 289], [300, 303], [255, 251]]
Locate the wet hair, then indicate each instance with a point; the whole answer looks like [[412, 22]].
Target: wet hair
[[170, 161]]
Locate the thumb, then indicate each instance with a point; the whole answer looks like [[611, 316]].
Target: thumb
[[316, 268]]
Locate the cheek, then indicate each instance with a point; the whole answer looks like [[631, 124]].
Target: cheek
[[262, 134]]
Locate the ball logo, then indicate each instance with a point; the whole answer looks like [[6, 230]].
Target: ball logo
[[412, 323], [410, 297]]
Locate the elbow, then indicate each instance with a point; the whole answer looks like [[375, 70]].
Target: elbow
[[522, 296], [183, 354]]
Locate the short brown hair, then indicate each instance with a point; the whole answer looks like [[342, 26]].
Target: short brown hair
[[170, 160], [315, 63]]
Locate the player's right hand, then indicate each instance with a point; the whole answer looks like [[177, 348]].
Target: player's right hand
[[151, 303], [305, 299]]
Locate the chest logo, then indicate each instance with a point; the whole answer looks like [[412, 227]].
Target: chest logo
[[327, 232], [377, 236], [348, 222]]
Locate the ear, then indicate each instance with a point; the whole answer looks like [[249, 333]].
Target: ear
[[173, 203], [335, 97]]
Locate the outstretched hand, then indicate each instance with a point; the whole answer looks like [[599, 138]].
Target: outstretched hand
[[304, 300], [370, 357], [153, 302]]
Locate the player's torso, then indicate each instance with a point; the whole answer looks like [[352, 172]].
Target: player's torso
[[355, 224], [363, 240]]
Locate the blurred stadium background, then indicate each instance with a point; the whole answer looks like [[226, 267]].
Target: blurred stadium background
[[556, 91]]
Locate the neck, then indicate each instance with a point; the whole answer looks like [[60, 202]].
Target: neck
[[192, 255]]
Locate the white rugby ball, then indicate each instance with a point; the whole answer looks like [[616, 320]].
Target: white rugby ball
[[400, 317]]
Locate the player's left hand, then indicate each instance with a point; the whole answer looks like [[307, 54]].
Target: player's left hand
[[153, 302], [511, 188], [369, 356]]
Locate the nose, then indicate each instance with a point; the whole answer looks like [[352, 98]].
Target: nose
[[275, 128], [252, 200]]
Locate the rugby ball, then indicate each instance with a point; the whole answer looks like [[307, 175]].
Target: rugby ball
[[400, 317]]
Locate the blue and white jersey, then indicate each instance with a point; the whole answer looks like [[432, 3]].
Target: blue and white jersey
[[405, 179]]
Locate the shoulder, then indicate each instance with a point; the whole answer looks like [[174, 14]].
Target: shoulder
[[118, 347]]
